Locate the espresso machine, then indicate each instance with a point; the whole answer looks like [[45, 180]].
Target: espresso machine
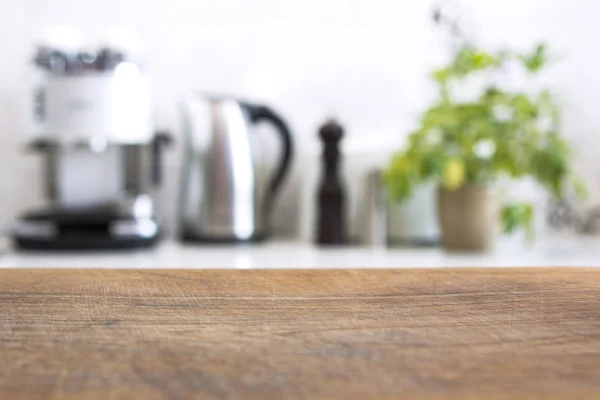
[[101, 156]]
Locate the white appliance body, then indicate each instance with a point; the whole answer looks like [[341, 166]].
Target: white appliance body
[[112, 106], [89, 115]]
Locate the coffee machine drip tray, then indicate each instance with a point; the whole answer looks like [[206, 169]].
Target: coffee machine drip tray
[[100, 228]]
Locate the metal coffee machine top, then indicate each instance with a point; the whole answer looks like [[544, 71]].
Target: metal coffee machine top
[[92, 117], [221, 199]]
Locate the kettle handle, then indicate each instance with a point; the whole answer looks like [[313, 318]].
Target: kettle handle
[[262, 113]]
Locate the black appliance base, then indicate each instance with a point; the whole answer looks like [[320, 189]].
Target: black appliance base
[[84, 244]]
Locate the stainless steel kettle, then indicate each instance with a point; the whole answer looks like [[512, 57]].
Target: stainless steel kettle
[[221, 200]]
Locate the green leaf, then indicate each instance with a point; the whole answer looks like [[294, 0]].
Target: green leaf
[[400, 177], [537, 60], [518, 216], [441, 75]]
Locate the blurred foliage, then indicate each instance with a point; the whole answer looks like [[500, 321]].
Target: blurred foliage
[[500, 133], [515, 216]]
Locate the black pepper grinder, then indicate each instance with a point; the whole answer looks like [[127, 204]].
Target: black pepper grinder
[[331, 222]]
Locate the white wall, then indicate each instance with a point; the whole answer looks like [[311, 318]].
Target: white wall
[[363, 61]]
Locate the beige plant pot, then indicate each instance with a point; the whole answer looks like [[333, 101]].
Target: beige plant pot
[[469, 218]]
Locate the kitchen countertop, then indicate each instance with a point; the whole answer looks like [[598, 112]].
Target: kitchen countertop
[[290, 334], [514, 253]]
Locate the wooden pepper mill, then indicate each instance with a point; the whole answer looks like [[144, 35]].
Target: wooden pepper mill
[[331, 222]]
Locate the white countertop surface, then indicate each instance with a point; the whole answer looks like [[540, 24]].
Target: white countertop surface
[[558, 252]]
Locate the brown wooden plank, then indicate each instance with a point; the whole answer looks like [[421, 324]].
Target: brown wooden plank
[[348, 334]]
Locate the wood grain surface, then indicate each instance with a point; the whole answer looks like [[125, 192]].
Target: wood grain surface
[[311, 334]]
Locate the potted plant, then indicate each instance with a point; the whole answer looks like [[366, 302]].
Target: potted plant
[[467, 144]]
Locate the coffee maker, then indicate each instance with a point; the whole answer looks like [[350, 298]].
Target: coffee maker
[[101, 155]]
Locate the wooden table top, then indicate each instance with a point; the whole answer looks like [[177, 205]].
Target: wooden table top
[[315, 334]]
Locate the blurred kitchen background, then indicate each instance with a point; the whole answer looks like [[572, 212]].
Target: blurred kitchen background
[[365, 63]]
